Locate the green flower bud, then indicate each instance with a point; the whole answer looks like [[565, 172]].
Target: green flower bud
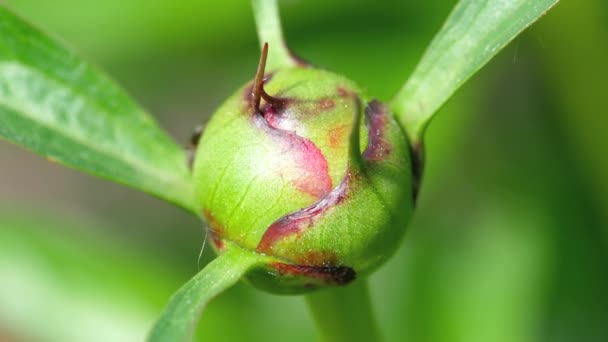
[[287, 168]]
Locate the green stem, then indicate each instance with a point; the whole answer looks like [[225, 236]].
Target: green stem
[[268, 25], [344, 313], [181, 316]]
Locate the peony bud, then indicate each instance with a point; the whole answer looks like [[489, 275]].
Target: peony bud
[[286, 168]]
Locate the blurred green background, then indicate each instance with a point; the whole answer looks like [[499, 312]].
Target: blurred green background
[[510, 240]]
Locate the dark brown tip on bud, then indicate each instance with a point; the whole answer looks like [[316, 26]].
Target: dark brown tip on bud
[[196, 135], [191, 148], [417, 152], [256, 92]]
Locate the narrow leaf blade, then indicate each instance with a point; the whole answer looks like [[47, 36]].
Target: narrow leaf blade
[[181, 315], [475, 31], [56, 105]]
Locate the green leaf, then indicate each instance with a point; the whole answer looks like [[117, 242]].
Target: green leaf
[[268, 25], [58, 106], [474, 32], [181, 315]]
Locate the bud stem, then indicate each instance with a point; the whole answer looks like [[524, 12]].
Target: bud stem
[[344, 313], [268, 25]]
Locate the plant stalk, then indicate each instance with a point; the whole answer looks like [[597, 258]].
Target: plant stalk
[[344, 313], [269, 29]]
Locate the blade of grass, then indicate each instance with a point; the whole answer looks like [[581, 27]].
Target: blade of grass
[[268, 25], [475, 31], [179, 319], [56, 105]]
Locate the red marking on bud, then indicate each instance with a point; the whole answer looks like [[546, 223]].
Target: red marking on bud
[[303, 163], [216, 240], [342, 92], [315, 180], [273, 117], [216, 229], [378, 148], [303, 219], [336, 137], [318, 258], [277, 104], [310, 172], [336, 275], [326, 104]]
